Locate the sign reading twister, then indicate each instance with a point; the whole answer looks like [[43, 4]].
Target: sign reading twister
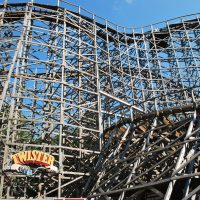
[[33, 157], [36, 159]]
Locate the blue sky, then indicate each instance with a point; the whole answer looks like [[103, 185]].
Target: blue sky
[[135, 13], [140, 12]]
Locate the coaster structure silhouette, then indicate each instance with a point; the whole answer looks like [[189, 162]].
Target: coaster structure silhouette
[[117, 107]]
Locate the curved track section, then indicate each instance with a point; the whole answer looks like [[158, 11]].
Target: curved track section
[[117, 107]]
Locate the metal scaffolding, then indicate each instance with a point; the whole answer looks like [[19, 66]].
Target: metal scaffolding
[[117, 107]]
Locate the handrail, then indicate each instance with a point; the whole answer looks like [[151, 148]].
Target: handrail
[[102, 20]]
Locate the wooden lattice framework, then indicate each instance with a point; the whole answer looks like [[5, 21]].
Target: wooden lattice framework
[[117, 107]]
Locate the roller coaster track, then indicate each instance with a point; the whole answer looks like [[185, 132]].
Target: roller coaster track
[[117, 107]]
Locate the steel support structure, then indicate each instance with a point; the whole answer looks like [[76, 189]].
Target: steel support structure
[[117, 107]]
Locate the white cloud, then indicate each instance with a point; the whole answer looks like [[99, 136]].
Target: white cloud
[[116, 5], [129, 1]]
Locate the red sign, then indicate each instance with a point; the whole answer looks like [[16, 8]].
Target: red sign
[[69, 199]]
